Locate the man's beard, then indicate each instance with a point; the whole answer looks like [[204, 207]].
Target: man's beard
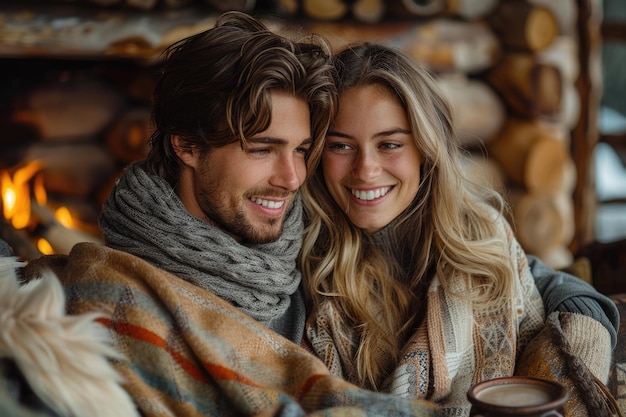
[[247, 233], [243, 230]]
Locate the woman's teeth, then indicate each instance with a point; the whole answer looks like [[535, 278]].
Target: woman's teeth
[[370, 194]]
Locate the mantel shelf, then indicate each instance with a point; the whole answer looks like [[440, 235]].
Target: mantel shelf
[[66, 31]]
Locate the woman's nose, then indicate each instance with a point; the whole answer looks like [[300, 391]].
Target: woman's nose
[[366, 166]]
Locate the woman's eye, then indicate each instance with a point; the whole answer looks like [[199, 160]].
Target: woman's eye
[[339, 146], [304, 150], [390, 146]]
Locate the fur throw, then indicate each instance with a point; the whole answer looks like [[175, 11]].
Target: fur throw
[[62, 358]]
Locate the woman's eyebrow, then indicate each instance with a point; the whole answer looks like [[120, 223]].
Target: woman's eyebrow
[[393, 132], [383, 133], [338, 134]]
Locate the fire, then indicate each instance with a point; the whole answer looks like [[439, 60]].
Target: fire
[[44, 246], [64, 217], [15, 191], [25, 206], [39, 191]]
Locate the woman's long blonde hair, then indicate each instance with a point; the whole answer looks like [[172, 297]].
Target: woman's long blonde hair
[[446, 231]]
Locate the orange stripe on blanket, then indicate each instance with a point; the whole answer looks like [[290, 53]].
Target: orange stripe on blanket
[[215, 370], [308, 384], [142, 334], [228, 374]]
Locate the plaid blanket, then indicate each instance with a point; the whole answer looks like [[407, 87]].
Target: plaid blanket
[[189, 353]]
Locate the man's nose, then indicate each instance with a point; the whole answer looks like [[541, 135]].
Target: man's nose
[[289, 173]]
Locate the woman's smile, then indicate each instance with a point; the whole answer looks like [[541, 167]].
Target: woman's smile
[[369, 195]]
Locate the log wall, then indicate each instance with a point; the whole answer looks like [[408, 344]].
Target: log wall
[[522, 77]]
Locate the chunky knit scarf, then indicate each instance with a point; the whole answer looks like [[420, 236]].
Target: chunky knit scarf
[[144, 216]]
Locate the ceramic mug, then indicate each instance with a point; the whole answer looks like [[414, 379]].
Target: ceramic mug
[[517, 396]]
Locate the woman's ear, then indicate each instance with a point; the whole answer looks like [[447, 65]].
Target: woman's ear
[[184, 153]]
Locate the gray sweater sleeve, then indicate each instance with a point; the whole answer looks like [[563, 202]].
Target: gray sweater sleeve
[[564, 292], [5, 250]]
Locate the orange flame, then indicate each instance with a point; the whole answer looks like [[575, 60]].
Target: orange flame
[[17, 206], [15, 193], [44, 246], [63, 215], [39, 191]]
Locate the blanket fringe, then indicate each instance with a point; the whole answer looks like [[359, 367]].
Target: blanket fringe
[[598, 398]]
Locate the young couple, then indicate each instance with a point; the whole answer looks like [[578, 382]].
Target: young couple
[[397, 272]]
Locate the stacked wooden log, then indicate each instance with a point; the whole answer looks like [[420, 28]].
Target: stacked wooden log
[[536, 78]]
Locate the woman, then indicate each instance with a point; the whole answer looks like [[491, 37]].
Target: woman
[[416, 282]]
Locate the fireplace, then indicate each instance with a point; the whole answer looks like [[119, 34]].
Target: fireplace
[[70, 126]]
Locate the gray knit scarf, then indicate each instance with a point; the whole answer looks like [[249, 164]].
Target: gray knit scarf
[[144, 216]]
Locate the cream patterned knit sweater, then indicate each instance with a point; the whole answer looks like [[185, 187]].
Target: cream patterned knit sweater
[[454, 347]]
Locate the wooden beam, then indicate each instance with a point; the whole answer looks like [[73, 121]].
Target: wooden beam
[[614, 31], [586, 133]]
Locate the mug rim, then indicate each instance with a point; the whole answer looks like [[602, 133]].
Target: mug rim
[[560, 394]]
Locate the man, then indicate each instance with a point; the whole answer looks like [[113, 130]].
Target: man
[[233, 136], [211, 220]]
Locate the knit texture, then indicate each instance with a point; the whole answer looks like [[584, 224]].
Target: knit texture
[[564, 292], [456, 345], [189, 353], [5, 250], [575, 351], [144, 216]]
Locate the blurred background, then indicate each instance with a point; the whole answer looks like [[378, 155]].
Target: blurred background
[[538, 88], [610, 167]]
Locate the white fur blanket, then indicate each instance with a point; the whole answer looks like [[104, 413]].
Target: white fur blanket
[[63, 358]]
